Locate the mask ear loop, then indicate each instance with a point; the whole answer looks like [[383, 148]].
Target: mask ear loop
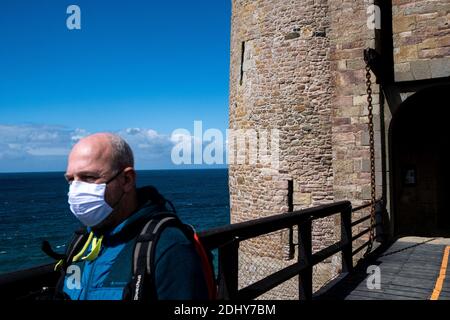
[[115, 176], [110, 180]]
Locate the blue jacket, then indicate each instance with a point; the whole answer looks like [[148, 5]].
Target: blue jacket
[[179, 273]]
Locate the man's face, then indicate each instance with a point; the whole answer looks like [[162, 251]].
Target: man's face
[[90, 161]]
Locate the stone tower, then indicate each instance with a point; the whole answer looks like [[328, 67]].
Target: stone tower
[[297, 66]]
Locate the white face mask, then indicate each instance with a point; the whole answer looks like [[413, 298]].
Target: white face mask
[[87, 202]]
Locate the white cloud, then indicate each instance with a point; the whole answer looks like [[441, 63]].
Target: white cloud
[[133, 131], [22, 141], [147, 143], [152, 133], [39, 145]]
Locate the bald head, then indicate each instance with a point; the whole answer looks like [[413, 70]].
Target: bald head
[[100, 153]]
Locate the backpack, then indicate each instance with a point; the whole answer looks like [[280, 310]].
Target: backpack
[[142, 285]]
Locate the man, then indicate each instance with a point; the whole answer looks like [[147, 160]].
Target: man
[[104, 197]]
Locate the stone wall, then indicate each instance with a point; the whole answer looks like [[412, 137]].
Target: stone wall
[[421, 34]]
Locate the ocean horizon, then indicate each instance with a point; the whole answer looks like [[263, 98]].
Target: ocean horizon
[[187, 168], [33, 208]]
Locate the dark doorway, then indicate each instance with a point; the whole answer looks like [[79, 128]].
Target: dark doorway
[[419, 136]]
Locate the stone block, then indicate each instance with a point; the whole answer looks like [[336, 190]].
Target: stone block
[[402, 67], [366, 192], [421, 69], [405, 53], [352, 111], [307, 32], [404, 76], [435, 53], [291, 35], [365, 165], [355, 64], [342, 65], [429, 43], [365, 138], [301, 198], [402, 24], [344, 166], [296, 186], [440, 67]]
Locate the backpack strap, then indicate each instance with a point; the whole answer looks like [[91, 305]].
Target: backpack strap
[[207, 264], [142, 285]]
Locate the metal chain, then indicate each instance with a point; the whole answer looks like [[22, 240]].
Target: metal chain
[[372, 159]]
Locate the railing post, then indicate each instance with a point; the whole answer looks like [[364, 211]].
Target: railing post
[[228, 270], [346, 239], [305, 256], [291, 246]]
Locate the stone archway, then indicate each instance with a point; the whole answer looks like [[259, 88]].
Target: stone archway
[[419, 140]]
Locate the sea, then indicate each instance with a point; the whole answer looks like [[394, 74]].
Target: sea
[[33, 208]]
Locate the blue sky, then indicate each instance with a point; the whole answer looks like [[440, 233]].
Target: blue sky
[[138, 68]]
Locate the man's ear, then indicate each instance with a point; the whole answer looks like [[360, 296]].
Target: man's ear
[[130, 179]]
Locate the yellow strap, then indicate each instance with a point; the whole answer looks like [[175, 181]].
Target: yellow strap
[[96, 246], [58, 264], [86, 245]]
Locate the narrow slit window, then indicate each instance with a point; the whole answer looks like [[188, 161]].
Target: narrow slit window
[[242, 62]]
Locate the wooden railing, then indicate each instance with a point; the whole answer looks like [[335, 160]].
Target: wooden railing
[[226, 240]]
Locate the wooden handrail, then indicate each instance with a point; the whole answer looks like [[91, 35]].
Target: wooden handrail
[[227, 240]]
